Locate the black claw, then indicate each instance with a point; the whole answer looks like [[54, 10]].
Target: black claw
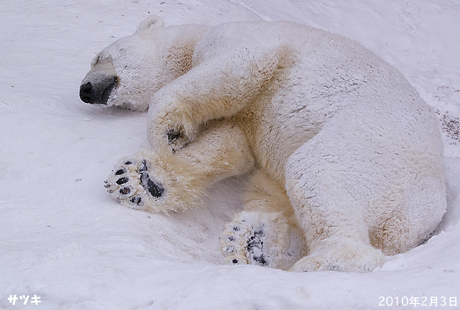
[[173, 135], [122, 181], [128, 162], [107, 184], [125, 191], [137, 200], [236, 228], [121, 171], [231, 238]]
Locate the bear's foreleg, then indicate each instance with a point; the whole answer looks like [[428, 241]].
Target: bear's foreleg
[[162, 181], [216, 88]]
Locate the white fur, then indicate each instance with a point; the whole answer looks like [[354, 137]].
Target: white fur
[[337, 132]]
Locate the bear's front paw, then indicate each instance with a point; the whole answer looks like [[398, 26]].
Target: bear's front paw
[[132, 185], [176, 137], [171, 127]]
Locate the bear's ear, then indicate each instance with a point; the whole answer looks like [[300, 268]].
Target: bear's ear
[[150, 22]]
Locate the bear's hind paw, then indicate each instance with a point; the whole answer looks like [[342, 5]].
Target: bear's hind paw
[[243, 244], [347, 256], [260, 238]]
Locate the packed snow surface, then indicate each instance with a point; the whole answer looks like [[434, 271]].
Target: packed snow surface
[[65, 244]]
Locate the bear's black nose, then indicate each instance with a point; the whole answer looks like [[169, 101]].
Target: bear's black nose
[[85, 92], [98, 92]]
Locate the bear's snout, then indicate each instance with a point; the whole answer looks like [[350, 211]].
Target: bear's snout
[[98, 91]]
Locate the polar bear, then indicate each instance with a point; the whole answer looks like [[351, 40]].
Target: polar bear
[[345, 157]]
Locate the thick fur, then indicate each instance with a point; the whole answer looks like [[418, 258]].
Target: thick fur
[[348, 156]]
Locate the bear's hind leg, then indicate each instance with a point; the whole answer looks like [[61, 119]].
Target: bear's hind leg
[[330, 197], [265, 233]]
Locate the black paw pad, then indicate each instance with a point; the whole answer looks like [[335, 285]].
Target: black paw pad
[[254, 242], [260, 259], [122, 181], [121, 171], [155, 189], [255, 245], [125, 191], [259, 233], [143, 168], [235, 261]]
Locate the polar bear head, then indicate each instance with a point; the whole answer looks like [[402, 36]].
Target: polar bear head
[[129, 71]]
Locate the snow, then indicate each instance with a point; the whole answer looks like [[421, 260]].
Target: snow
[[66, 241]]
